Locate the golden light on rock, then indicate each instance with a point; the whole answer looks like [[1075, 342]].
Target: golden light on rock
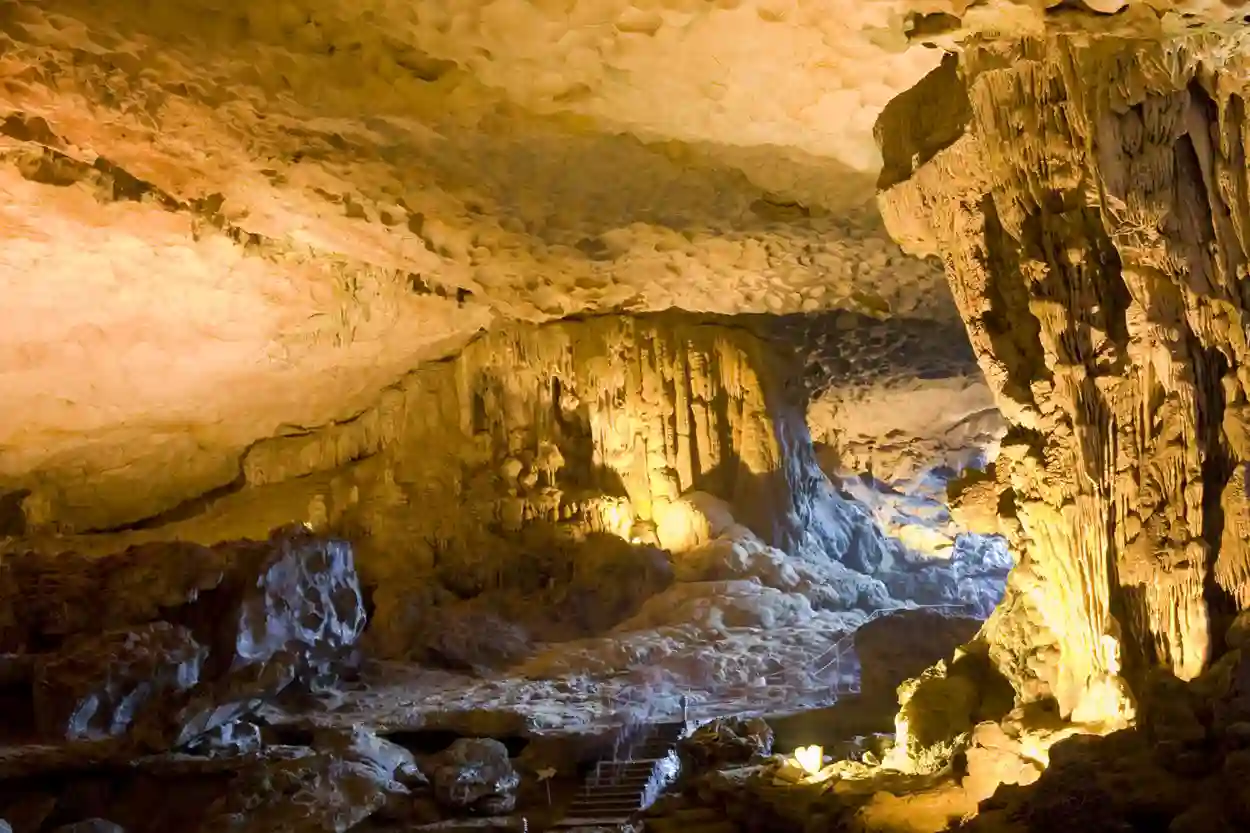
[[810, 759], [592, 373]]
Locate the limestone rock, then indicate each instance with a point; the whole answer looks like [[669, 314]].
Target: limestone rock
[[474, 774], [623, 425], [737, 554], [1082, 204], [207, 710], [292, 596], [939, 710], [238, 737], [406, 240], [901, 645], [970, 580], [247, 601], [467, 637], [936, 711], [96, 686], [1013, 751], [91, 826], [391, 761], [1181, 766], [1238, 635], [725, 743], [312, 794], [207, 632]]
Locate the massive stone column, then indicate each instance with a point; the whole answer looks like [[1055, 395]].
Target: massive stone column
[[1088, 196]]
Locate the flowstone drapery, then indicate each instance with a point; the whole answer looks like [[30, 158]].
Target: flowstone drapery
[[1088, 196]]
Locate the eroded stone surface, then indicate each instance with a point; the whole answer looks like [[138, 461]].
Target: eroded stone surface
[[893, 648], [543, 461], [309, 201], [1091, 222], [475, 775], [724, 744], [97, 686], [193, 645], [299, 204]]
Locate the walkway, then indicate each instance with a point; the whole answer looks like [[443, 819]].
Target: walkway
[[619, 787]]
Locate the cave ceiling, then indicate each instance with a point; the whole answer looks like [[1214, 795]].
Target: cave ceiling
[[225, 220]]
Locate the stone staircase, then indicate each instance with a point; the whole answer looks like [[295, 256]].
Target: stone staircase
[[619, 787]]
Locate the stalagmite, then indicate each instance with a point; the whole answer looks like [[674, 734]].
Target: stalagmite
[[1088, 197]]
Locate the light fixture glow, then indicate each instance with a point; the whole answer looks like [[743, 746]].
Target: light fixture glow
[[811, 759]]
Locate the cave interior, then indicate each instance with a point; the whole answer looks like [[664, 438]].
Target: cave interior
[[750, 416]]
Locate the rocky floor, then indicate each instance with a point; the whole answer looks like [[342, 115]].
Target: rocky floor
[[1181, 767], [223, 691], [182, 687]]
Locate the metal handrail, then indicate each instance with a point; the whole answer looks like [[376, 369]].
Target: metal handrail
[[834, 652], [837, 647]]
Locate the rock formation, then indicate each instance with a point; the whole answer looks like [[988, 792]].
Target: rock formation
[[167, 643], [541, 460], [898, 407], [248, 219], [476, 775], [1086, 192], [541, 306]]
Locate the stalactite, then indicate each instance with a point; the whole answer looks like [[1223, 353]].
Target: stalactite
[[1092, 217], [537, 435]]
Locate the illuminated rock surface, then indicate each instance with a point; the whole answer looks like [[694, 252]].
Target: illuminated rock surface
[[1096, 264], [510, 505], [1086, 190], [541, 306], [297, 204]]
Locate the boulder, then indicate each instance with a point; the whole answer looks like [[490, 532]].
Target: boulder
[[238, 737], [895, 648], [476, 776], [1014, 751], [91, 826], [208, 632], [209, 707], [248, 601], [936, 715], [725, 742], [294, 599], [96, 686], [318, 793], [390, 760]]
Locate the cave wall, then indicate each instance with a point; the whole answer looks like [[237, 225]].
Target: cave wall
[[1088, 198], [534, 437], [540, 464], [537, 423]]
